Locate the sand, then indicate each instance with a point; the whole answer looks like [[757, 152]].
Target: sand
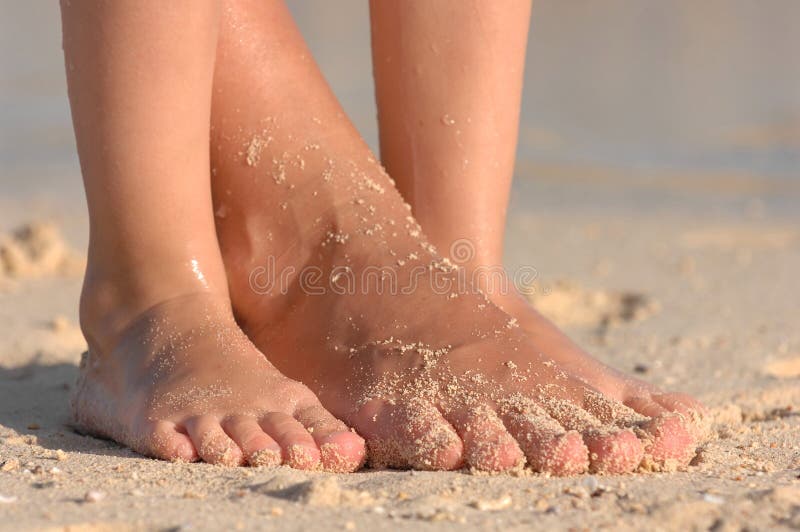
[[709, 308], [695, 234]]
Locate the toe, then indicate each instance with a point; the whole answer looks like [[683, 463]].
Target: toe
[[609, 411], [342, 451], [695, 413], [297, 446], [668, 437], [259, 449], [549, 448], [406, 434], [646, 406], [488, 446], [668, 442], [165, 441], [679, 402], [569, 415], [212, 443], [613, 451]]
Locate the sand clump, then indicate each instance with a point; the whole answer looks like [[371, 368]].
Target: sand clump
[[37, 249], [785, 368], [567, 303], [319, 491]]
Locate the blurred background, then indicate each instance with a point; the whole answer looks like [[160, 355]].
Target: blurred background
[[675, 105]]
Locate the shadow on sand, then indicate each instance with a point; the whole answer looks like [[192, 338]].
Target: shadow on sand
[[34, 401]]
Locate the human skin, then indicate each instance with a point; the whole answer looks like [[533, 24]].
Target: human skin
[[431, 378], [168, 371], [448, 77]]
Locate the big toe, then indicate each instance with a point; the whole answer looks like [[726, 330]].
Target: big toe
[[409, 434]]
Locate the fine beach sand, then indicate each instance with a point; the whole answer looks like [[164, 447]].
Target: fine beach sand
[[703, 302], [683, 273]]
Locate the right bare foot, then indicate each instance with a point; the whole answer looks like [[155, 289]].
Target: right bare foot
[[182, 382], [434, 377], [327, 268]]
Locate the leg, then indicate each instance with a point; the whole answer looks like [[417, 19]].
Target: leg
[[448, 78], [168, 371], [449, 82], [328, 269]]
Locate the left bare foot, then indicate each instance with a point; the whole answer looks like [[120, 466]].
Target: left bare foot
[[641, 396], [433, 376]]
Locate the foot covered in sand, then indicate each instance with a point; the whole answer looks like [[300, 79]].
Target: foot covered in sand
[[182, 382], [642, 397], [329, 271]]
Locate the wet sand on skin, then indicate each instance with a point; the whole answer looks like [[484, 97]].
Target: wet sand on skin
[[704, 303]]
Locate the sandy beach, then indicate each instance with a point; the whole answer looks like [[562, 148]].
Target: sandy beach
[[666, 242], [705, 304]]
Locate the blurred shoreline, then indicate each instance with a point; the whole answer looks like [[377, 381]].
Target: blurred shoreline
[[695, 87]]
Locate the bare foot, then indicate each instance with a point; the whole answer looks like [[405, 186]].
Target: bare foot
[[332, 276], [168, 371], [642, 397], [451, 146], [329, 270], [182, 382]]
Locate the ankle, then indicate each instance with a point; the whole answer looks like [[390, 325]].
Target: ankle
[[113, 300]]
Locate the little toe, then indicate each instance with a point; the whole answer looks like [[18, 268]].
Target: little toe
[[341, 450], [646, 406], [612, 450], [212, 443], [297, 446], [668, 442], [488, 446], [694, 412], [163, 440], [668, 437], [259, 449], [679, 402], [549, 448], [409, 434]]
